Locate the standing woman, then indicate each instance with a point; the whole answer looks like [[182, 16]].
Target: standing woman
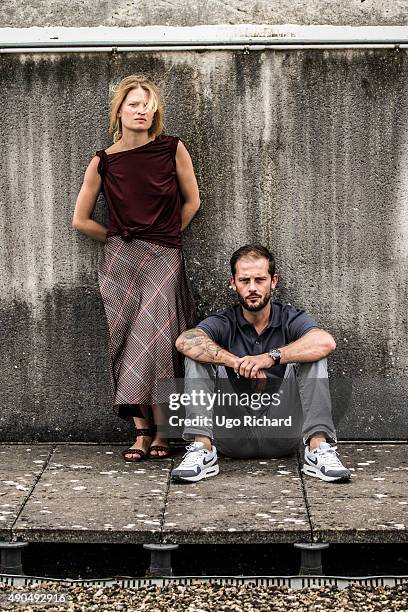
[[148, 182]]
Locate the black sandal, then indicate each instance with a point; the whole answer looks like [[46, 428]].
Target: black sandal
[[158, 448], [143, 455]]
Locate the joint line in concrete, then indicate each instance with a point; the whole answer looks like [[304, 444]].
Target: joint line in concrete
[[24, 502], [300, 460], [166, 495]]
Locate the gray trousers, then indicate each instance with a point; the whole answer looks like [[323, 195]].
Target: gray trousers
[[303, 394]]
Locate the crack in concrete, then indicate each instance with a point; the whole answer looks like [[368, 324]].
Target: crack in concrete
[[166, 497], [13, 538], [301, 475]]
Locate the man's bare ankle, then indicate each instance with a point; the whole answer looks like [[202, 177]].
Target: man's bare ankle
[[314, 441], [206, 441]]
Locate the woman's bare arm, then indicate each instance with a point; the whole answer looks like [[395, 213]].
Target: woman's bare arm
[[188, 185], [85, 204]]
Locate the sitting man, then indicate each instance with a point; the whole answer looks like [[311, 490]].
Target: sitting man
[[257, 342]]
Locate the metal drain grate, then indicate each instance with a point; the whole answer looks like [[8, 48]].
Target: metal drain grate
[[293, 582]]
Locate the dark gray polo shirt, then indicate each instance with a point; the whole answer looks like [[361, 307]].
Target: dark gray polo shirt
[[231, 331]]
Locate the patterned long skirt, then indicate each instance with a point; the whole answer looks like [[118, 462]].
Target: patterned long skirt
[[148, 304]]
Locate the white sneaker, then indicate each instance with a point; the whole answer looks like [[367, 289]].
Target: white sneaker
[[197, 463], [323, 463]]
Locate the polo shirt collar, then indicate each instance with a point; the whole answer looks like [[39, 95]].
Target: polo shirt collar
[[275, 319]]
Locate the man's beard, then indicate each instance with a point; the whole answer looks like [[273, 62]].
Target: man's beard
[[253, 307]]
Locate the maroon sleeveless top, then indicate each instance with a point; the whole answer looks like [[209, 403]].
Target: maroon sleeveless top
[[142, 192]]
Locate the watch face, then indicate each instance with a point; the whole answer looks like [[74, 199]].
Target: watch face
[[276, 356]]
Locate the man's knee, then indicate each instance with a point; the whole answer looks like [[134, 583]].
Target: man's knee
[[313, 369]]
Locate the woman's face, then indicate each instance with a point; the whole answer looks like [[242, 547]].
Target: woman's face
[[133, 111]]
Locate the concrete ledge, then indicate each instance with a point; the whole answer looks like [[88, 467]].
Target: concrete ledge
[[86, 493], [196, 36]]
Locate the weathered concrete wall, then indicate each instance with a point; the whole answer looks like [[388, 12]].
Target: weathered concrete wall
[[190, 12], [304, 151]]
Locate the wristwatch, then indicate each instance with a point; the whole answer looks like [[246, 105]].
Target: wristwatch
[[276, 356]]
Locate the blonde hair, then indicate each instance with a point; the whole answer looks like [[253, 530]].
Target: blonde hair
[[155, 104]]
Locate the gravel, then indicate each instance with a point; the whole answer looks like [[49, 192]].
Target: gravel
[[202, 597]]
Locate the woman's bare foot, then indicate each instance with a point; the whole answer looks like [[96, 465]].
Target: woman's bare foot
[[142, 443], [159, 452]]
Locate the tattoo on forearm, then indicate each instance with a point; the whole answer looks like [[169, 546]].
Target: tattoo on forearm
[[196, 345]]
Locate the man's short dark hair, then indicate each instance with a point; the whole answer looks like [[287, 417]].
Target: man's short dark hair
[[252, 250]]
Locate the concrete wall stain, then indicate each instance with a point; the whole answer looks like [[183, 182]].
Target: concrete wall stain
[[303, 151], [82, 13]]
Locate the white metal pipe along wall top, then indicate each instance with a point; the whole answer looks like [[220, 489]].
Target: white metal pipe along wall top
[[219, 37]]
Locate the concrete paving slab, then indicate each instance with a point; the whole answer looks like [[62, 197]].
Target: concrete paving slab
[[250, 501], [373, 507], [376, 470], [20, 467], [89, 494], [362, 520]]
